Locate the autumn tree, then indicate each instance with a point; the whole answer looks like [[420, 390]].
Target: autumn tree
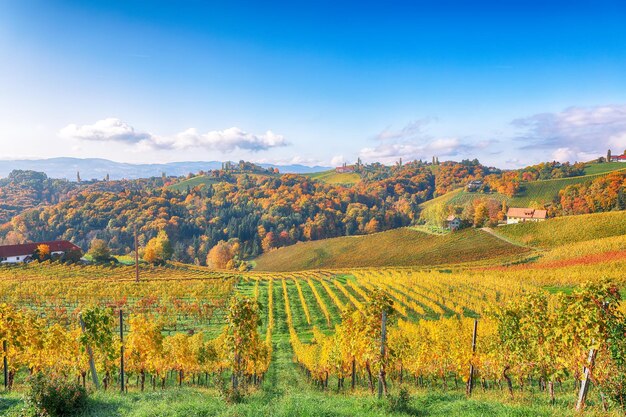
[[99, 251], [42, 252], [159, 249]]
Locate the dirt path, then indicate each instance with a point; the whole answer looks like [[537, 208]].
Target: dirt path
[[503, 238]]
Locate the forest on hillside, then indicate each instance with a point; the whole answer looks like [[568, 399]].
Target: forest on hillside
[[261, 210]]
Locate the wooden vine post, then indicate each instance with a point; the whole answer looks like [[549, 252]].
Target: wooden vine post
[[122, 376], [383, 342], [584, 386], [470, 379], [5, 352], [92, 364], [136, 256]]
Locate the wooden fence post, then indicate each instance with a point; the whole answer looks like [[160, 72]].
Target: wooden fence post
[[383, 342], [470, 379], [5, 351], [92, 364], [584, 386], [122, 376]]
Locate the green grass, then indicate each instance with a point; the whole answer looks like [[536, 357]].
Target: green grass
[[541, 192], [296, 397], [595, 168], [332, 177], [566, 230], [399, 247], [191, 183]]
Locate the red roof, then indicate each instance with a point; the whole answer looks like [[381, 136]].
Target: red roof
[[29, 248], [618, 158], [526, 213]]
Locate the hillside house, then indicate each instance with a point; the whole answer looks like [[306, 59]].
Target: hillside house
[[453, 222], [618, 158], [345, 169], [12, 254], [473, 186], [520, 215]]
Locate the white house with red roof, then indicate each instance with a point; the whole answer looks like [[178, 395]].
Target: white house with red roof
[[520, 215], [11, 254]]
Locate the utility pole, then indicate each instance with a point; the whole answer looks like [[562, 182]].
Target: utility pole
[[136, 256]]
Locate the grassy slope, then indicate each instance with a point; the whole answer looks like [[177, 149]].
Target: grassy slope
[[592, 168], [399, 247], [190, 183], [332, 177], [536, 191], [567, 230]]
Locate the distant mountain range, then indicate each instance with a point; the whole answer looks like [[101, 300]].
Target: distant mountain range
[[95, 168]]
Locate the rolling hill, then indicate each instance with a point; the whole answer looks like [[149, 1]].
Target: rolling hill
[[398, 247], [566, 230], [201, 180], [541, 192], [333, 177]]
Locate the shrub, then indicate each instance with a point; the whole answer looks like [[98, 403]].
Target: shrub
[[400, 402], [54, 396]]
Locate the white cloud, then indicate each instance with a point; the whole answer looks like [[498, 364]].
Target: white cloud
[[577, 133], [410, 131], [105, 130], [337, 160], [227, 140], [390, 152]]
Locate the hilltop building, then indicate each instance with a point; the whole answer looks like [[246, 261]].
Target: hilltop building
[[520, 215], [12, 254], [345, 169]]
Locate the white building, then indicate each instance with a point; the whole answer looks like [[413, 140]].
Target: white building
[[12, 254], [520, 215], [453, 222]]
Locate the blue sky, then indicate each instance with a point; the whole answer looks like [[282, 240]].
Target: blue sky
[[509, 82]]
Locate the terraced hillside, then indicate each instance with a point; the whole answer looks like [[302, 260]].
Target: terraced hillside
[[399, 247]]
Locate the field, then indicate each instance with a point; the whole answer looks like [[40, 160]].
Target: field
[[297, 309], [592, 168], [320, 326], [399, 247], [191, 183], [541, 192], [332, 177], [567, 229]]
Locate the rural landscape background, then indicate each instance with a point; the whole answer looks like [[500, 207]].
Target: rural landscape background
[[317, 209]]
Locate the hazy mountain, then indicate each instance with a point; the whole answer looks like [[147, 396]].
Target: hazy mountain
[[98, 168]]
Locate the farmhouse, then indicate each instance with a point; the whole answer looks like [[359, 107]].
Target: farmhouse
[[24, 253], [618, 158], [453, 222], [345, 169], [474, 185], [519, 215]]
